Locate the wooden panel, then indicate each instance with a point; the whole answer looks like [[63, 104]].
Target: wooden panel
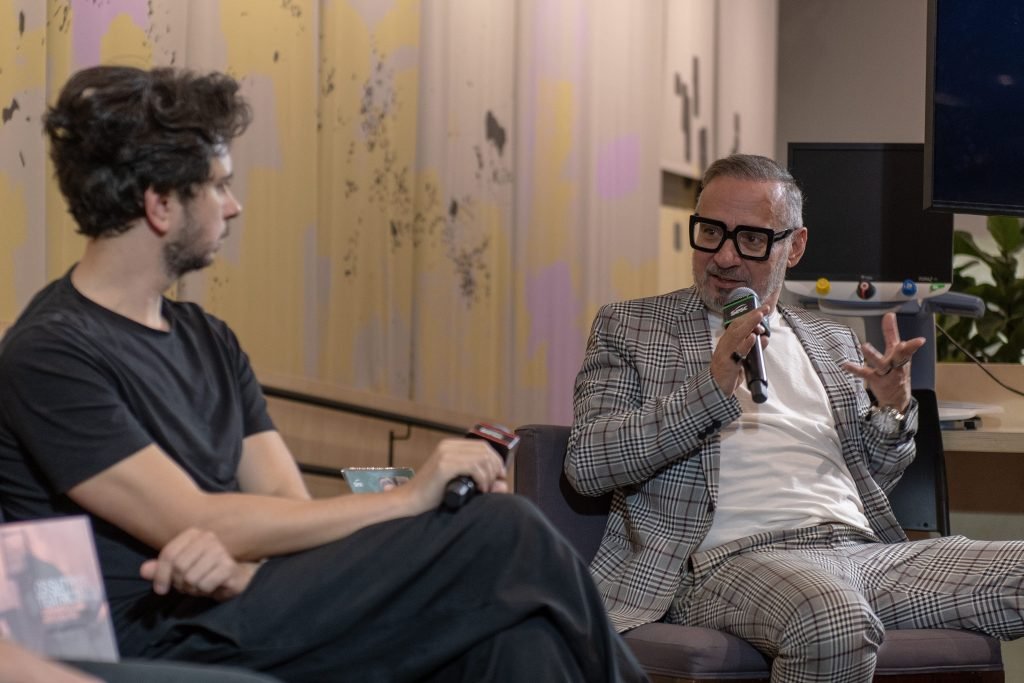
[[675, 267], [985, 482], [968, 382]]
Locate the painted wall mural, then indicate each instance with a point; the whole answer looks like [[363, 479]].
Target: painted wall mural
[[437, 194]]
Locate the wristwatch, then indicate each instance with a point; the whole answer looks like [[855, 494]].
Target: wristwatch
[[886, 419]]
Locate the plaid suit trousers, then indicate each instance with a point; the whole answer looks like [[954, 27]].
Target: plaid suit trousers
[[818, 600]]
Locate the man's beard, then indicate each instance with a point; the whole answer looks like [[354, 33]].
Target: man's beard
[[186, 253], [716, 300]]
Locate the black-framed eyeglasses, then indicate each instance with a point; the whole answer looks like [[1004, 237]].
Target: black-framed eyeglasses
[[708, 234]]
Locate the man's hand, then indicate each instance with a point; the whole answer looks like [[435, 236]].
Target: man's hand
[[195, 562], [452, 458], [21, 666], [734, 345], [887, 375]]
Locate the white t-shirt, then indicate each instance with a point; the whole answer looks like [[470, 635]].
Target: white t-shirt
[[781, 463]]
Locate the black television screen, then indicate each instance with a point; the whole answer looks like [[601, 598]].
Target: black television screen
[[974, 133], [864, 216]]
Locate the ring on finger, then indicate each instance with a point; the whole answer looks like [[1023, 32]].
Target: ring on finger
[[883, 373], [901, 363], [737, 358]]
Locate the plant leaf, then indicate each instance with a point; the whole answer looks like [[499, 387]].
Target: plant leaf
[[963, 243], [1006, 231]]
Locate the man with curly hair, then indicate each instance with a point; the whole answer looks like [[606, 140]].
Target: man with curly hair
[[144, 413]]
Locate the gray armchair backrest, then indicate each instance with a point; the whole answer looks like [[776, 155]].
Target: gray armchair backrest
[[539, 477]]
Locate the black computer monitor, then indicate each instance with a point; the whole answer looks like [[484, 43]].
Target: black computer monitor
[[974, 132], [869, 239]]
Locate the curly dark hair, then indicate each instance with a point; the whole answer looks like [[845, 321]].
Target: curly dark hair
[[116, 131]]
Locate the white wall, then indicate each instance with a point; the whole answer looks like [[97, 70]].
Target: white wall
[[851, 71]]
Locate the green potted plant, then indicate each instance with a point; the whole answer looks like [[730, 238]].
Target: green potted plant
[[998, 335]]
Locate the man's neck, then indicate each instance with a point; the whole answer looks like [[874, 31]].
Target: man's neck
[[118, 278]]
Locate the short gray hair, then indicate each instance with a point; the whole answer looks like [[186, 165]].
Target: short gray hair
[[789, 213]]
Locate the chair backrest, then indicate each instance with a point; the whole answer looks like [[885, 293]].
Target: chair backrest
[[539, 477], [921, 500]]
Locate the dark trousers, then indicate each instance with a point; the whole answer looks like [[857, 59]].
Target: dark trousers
[[488, 593]]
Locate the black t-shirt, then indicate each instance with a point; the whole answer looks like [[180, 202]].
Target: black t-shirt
[[82, 388]]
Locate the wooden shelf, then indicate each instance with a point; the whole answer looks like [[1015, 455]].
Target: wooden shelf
[[1002, 432], [984, 441]]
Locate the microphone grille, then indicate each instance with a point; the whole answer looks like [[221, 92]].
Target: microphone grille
[[742, 292]]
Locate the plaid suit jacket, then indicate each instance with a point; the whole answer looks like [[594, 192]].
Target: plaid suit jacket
[[647, 415]]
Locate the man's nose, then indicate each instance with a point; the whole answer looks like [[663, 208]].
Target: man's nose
[[727, 255], [232, 207]]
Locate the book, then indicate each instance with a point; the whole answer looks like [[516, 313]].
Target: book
[[959, 415], [52, 599]]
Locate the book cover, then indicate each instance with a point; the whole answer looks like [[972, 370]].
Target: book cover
[[51, 593], [374, 479]]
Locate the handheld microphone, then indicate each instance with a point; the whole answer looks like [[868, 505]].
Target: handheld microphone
[[460, 489], [741, 301]]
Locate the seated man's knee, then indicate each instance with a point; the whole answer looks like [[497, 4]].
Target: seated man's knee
[[507, 510], [509, 519], [831, 623]]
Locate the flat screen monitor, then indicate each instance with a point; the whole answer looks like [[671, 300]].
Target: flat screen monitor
[[974, 111], [869, 238]]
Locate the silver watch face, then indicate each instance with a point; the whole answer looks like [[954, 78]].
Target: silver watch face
[[887, 420]]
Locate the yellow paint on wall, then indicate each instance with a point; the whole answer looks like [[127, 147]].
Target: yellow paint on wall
[[264, 36], [63, 246], [265, 283], [368, 193], [125, 42], [12, 235], [22, 56], [553, 192], [631, 280], [271, 48], [552, 203], [345, 64], [400, 28], [22, 81], [469, 376]]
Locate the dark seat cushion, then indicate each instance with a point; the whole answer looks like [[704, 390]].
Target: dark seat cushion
[[701, 653], [693, 652], [936, 650]]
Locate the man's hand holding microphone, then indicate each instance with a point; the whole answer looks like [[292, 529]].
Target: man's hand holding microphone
[[460, 468], [738, 354]]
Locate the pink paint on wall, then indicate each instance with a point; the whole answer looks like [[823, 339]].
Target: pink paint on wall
[[618, 167], [90, 21], [554, 310]]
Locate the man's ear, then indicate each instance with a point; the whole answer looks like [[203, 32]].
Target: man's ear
[[159, 210], [796, 252]]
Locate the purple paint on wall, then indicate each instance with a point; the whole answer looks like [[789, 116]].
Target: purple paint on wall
[[91, 20], [554, 310], [618, 167]]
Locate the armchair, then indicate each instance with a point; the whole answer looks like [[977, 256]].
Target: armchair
[[685, 654]]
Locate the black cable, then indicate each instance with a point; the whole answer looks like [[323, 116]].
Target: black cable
[[976, 361]]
